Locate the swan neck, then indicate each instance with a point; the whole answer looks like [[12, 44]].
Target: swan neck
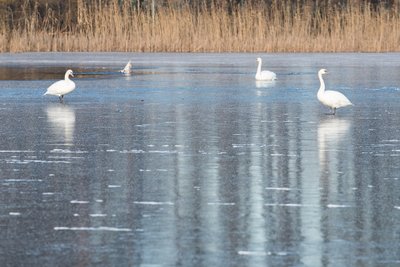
[[259, 67], [322, 86], [66, 77]]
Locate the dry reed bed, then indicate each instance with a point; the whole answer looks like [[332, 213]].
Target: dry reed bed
[[274, 28]]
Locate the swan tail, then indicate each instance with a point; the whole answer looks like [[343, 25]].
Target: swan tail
[[349, 103]]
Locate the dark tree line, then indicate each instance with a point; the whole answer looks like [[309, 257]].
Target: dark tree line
[[62, 4], [62, 13]]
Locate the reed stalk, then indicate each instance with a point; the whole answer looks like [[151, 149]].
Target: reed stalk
[[276, 27]]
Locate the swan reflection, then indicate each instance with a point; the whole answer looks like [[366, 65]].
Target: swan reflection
[[61, 120], [331, 132], [265, 84]]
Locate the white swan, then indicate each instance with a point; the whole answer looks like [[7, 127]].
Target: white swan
[[265, 75], [127, 69], [331, 99], [62, 87]]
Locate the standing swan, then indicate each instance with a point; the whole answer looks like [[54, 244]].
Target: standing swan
[[265, 75], [62, 87], [331, 99]]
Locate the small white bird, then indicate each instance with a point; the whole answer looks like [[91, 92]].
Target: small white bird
[[264, 75], [127, 69], [331, 99], [62, 87]]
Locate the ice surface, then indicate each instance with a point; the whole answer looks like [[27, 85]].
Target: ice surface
[[221, 204], [261, 253], [285, 205], [196, 164]]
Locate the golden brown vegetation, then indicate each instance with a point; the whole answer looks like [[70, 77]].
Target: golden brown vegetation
[[276, 26]]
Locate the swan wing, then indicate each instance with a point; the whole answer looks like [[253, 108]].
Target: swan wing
[[60, 88], [127, 68], [336, 99], [266, 75]]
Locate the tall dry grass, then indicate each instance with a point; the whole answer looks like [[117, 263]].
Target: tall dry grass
[[277, 27]]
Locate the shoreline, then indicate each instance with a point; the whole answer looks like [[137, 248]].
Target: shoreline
[[147, 60]]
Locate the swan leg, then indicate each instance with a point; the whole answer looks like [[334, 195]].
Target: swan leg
[[333, 111], [61, 98]]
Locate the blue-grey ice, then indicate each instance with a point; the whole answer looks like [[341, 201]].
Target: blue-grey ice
[[189, 161]]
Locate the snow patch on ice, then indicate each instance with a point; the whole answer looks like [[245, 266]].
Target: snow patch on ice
[[79, 202], [338, 206], [281, 188], [101, 228], [153, 203], [98, 215]]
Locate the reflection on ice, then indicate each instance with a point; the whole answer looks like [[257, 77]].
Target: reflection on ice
[[333, 129], [330, 132], [265, 84], [62, 121]]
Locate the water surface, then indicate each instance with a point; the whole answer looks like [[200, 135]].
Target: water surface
[[190, 162]]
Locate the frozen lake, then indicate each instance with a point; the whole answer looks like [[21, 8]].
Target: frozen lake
[[190, 162]]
